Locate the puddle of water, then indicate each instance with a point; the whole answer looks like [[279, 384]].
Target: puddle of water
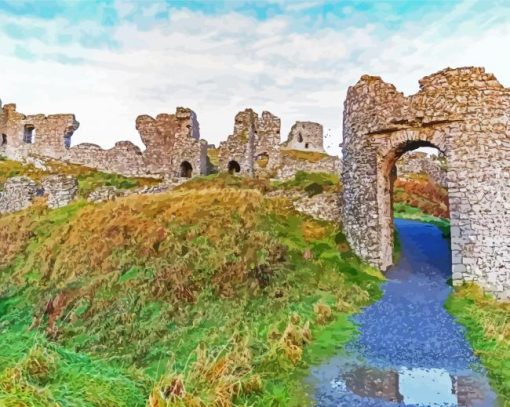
[[410, 351]]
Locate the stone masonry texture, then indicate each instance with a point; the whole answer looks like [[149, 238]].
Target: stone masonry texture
[[465, 113], [172, 141]]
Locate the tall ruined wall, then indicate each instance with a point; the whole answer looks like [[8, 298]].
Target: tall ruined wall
[[463, 112], [306, 136], [254, 144], [267, 145], [35, 134], [418, 162], [170, 140]]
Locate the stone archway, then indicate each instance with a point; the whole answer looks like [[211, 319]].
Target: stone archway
[[233, 167], [388, 155], [464, 113], [186, 170]]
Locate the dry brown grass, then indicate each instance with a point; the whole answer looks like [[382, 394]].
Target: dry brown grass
[[420, 192], [311, 156]]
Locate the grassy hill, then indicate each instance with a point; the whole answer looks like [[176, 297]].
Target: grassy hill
[[212, 294]]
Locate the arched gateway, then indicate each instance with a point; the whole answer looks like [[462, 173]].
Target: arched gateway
[[465, 113]]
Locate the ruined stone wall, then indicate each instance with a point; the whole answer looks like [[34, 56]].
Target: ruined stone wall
[[254, 145], [60, 190], [18, 193], [305, 136], [35, 134], [267, 145], [290, 165], [422, 163], [170, 140], [463, 112]]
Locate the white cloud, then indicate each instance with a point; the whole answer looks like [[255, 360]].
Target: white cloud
[[218, 65]]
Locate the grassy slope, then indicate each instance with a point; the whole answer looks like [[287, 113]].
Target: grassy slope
[[488, 330], [420, 192], [209, 294]]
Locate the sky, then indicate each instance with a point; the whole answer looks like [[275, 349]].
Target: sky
[[109, 61]]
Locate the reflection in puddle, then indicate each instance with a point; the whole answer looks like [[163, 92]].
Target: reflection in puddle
[[419, 387]]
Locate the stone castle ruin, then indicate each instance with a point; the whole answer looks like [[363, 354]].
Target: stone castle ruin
[[423, 163], [465, 114], [306, 136], [172, 143], [253, 148], [173, 148]]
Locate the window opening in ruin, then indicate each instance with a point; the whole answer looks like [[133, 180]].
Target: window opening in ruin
[[299, 138], [186, 169], [262, 160], [29, 134], [233, 167], [4, 139], [67, 140], [307, 145]]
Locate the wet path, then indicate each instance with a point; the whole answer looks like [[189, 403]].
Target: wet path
[[410, 351]]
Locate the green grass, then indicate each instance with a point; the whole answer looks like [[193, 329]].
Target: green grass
[[213, 287], [404, 211], [311, 182], [488, 330]]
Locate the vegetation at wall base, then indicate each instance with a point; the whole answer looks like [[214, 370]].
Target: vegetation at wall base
[[404, 211], [311, 156], [212, 294], [89, 179], [487, 323]]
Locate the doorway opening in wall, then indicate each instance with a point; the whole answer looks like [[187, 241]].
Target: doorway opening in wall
[[186, 169], [29, 134], [4, 139], [417, 186], [233, 167]]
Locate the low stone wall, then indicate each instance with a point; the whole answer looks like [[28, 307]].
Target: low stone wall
[[60, 190], [18, 194], [290, 165], [323, 206], [104, 194]]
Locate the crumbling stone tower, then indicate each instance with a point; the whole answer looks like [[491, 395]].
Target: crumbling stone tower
[[465, 114], [173, 143], [306, 136], [253, 148]]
